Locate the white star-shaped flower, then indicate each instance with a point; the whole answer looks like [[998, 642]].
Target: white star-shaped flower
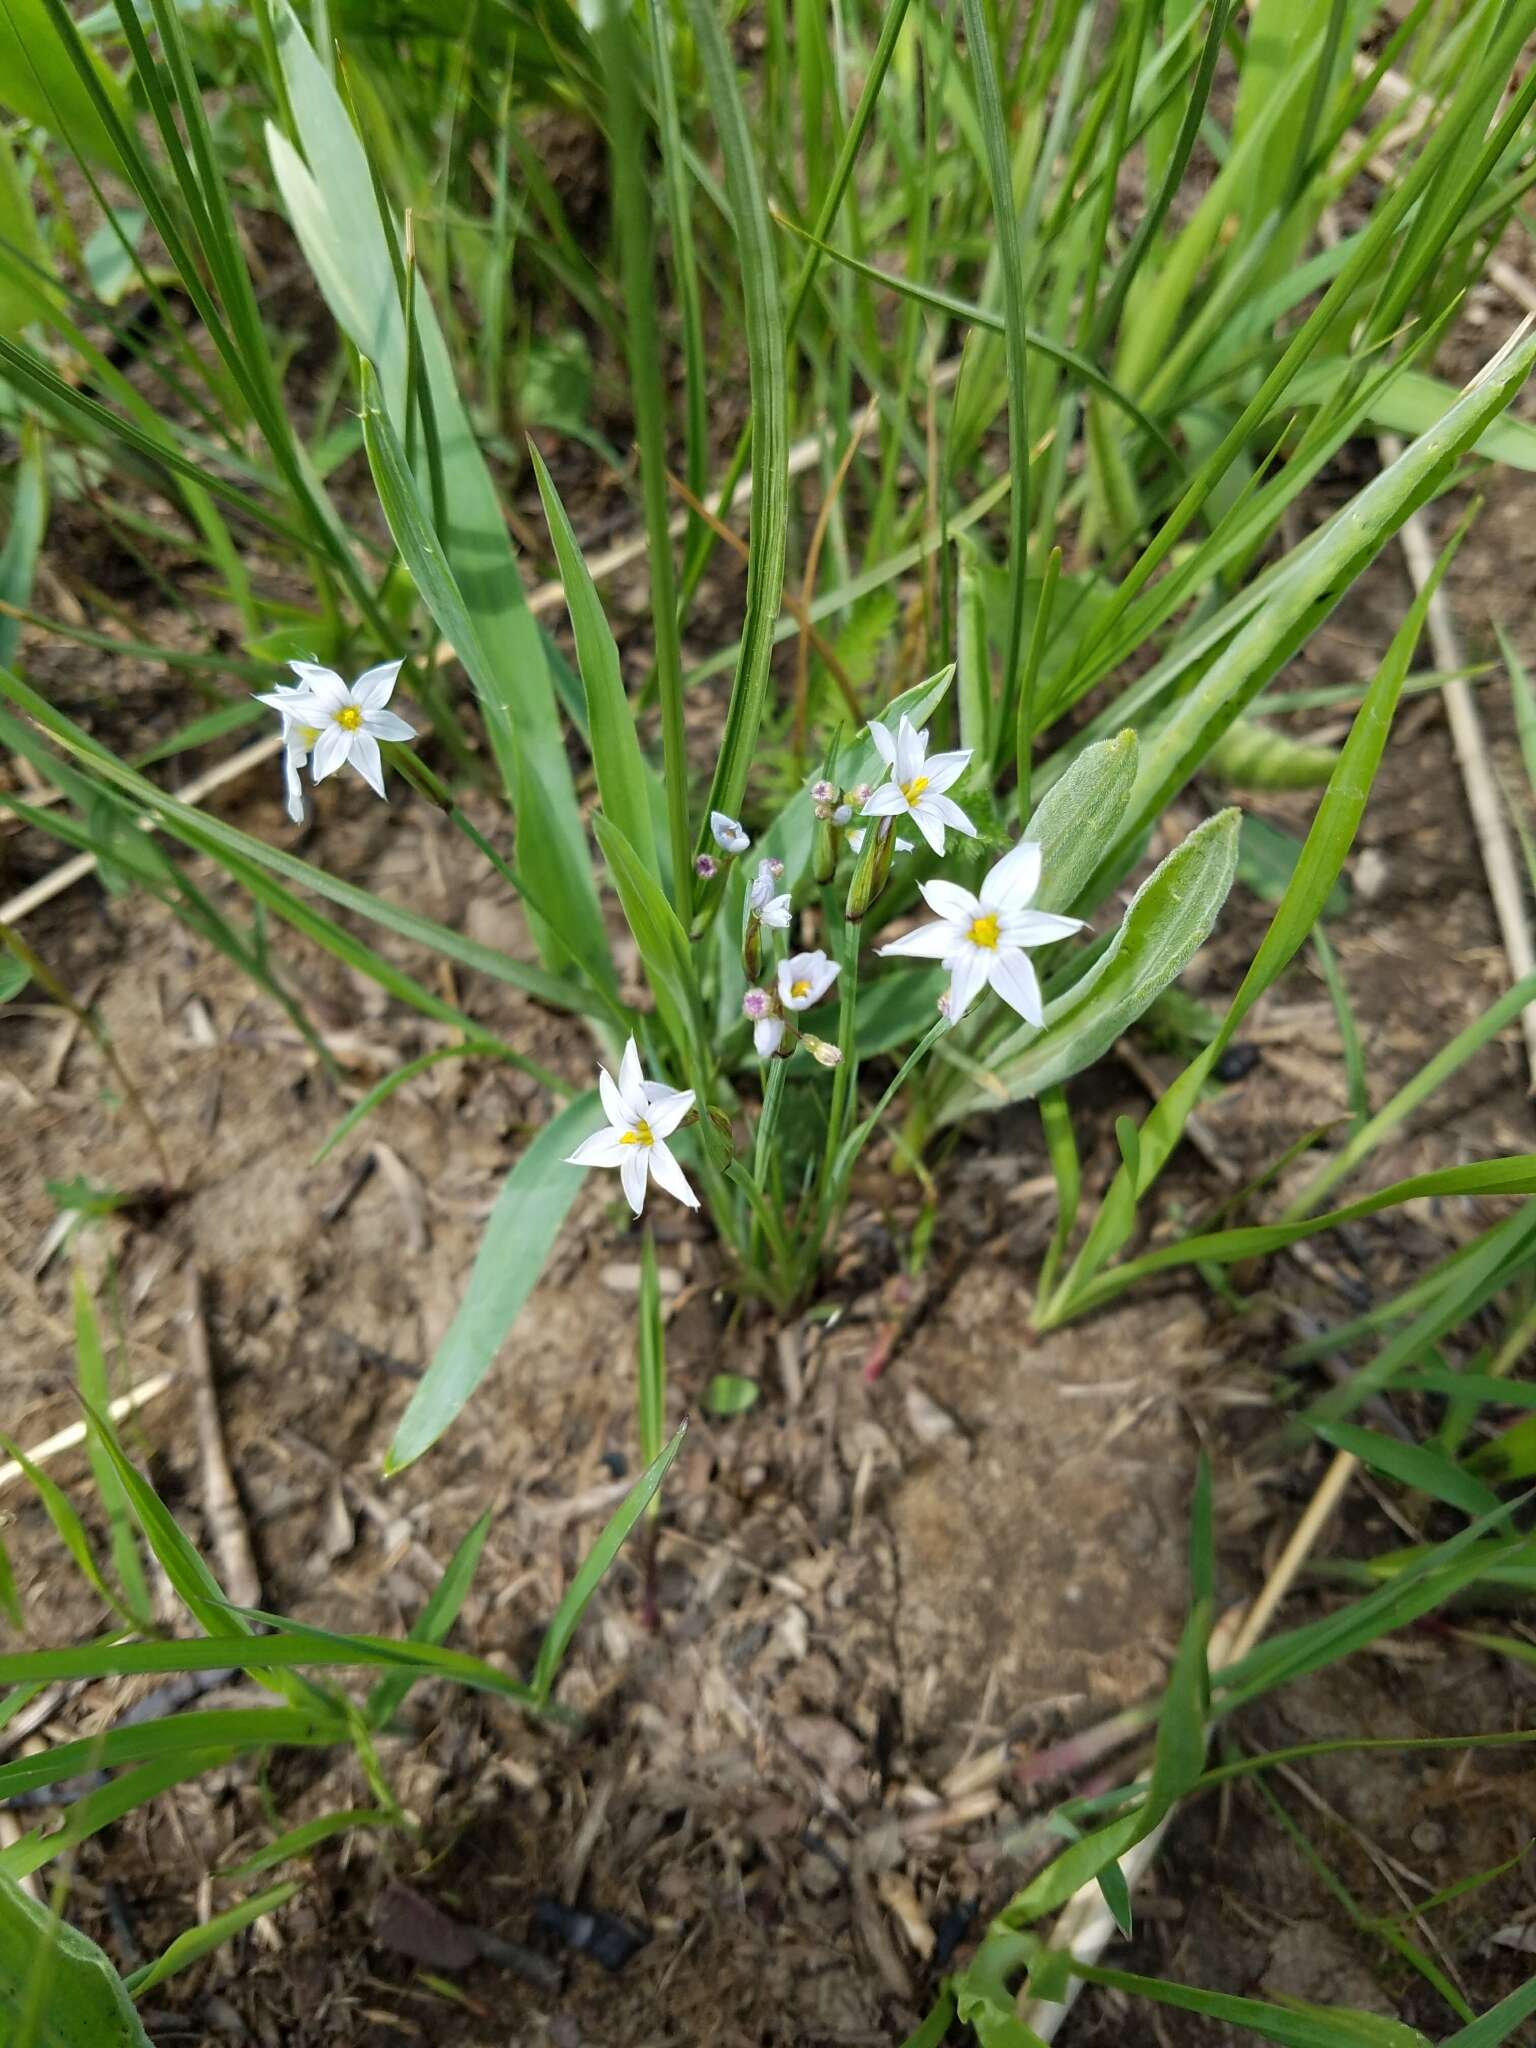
[[340, 724], [641, 1115], [804, 978], [982, 939], [918, 782], [729, 834], [762, 904]]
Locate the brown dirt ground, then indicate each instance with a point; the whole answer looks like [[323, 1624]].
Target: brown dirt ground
[[866, 1587]]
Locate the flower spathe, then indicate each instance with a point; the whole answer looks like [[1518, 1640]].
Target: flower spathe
[[917, 783], [804, 978], [641, 1115], [982, 939], [337, 724]]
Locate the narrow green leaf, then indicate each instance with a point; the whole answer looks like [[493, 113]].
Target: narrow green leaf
[[1412, 1465], [434, 1621], [520, 1234], [201, 1941], [91, 1366], [308, 1835], [594, 1564]]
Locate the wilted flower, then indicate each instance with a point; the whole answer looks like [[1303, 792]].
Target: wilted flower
[[728, 833], [298, 738], [981, 939], [767, 1025], [918, 782], [347, 722], [804, 978], [821, 1049], [641, 1115]]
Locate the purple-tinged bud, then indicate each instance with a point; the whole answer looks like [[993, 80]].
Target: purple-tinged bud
[[824, 792], [756, 1003], [706, 868]]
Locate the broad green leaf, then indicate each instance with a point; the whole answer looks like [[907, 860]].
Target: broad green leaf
[[520, 1234], [557, 881], [1251, 755], [622, 777], [39, 79], [1412, 404], [57, 1989], [25, 293], [664, 949], [594, 1564], [1169, 917], [1079, 815], [28, 509]]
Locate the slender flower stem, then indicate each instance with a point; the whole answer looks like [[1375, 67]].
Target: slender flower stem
[[762, 1143], [844, 1090]]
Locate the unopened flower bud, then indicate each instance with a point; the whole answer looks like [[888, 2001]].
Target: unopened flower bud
[[752, 946], [823, 792], [757, 1002], [872, 870], [860, 795], [706, 868], [843, 815], [775, 867], [824, 850], [822, 1050]]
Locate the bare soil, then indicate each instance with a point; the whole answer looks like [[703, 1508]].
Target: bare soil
[[936, 1545]]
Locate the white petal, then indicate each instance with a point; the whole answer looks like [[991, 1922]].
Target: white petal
[[948, 899], [885, 745], [928, 823], [632, 1176], [603, 1148], [944, 769], [371, 691], [909, 751], [668, 1107], [1012, 882], [856, 840], [632, 1082], [667, 1174], [386, 725], [928, 942], [614, 1106], [777, 915], [887, 802], [364, 756], [948, 812], [967, 978], [293, 786], [767, 1036], [322, 684], [1037, 928], [1016, 982], [330, 752], [280, 700]]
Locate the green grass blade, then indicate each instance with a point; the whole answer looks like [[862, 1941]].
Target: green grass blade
[[91, 1368], [435, 1619], [201, 1941], [770, 419], [597, 1560]]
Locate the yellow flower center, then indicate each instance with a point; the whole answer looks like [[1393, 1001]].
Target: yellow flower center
[[349, 718], [640, 1135], [984, 932], [913, 790], [799, 988]]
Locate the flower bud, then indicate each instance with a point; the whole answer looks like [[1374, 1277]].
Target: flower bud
[[872, 871], [706, 868], [824, 792], [824, 850], [752, 947], [757, 1002]]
